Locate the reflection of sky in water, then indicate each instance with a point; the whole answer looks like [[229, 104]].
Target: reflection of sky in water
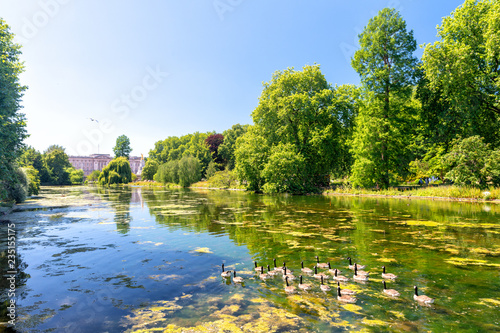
[[137, 260]]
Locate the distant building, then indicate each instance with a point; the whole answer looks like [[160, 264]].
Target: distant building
[[99, 161]]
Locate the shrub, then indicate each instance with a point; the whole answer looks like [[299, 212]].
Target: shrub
[[149, 170], [76, 176], [168, 172], [224, 179], [33, 178], [116, 172], [189, 171], [94, 176], [211, 169]]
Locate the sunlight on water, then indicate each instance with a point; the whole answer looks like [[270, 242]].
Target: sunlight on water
[[140, 260]]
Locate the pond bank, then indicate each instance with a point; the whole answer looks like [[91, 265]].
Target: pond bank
[[409, 197]]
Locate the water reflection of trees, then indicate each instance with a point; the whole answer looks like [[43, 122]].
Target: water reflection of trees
[[119, 198]]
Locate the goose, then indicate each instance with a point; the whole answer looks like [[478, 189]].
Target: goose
[[287, 274], [259, 268], [225, 274], [351, 266], [277, 268], [262, 275], [422, 298], [304, 286], [340, 277], [359, 278], [288, 269], [322, 264], [390, 292], [237, 279], [272, 272], [306, 270], [345, 298], [324, 287], [289, 289], [388, 275], [332, 270], [361, 272], [346, 291], [319, 275]]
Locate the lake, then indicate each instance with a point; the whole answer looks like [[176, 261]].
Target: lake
[[137, 259]]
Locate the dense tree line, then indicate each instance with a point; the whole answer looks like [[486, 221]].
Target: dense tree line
[[410, 118]]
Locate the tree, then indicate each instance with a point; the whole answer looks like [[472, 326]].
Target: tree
[[387, 68], [57, 162], [12, 122], [76, 176], [211, 169], [33, 179], [213, 142], [149, 170], [296, 109], [168, 172], [122, 147], [118, 171], [228, 146], [189, 171], [463, 68], [472, 162], [94, 176]]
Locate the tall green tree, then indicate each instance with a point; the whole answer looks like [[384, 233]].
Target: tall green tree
[[462, 68], [387, 68], [122, 147], [57, 164], [12, 121], [296, 116], [118, 171]]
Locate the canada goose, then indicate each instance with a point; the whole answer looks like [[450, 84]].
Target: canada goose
[[339, 277], [359, 278], [322, 264], [306, 270], [287, 274], [272, 272], [262, 275], [288, 269], [324, 287], [351, 266], [365, 273], [390, 292], [237, 279], [332, 270], [319, 275], [346, 291], [388, 275], [289, 289], [422, 298], [259, 268], [304, 286], [225, 274], [277, 268], [345, 298]]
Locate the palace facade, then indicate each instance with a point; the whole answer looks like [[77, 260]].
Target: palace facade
[[99, 161]]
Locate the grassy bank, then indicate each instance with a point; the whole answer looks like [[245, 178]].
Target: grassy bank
[[447, 192]]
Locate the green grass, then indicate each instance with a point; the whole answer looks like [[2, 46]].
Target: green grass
[[451, 192]]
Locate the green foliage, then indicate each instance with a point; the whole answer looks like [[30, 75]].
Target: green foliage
[[12, 122], [471, 162], [211, 169], [462, 68], [134, 177], [224, 179], [174, 148], [383, 131], [149, 170], [296, 112], [94, 176], [76, 176], [189, 171], [122, 147], [227, 148], [17, 187], [57, 163], [168, 172], [33, 178], [118, 171]]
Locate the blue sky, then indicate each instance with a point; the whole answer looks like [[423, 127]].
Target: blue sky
[[153, 69]]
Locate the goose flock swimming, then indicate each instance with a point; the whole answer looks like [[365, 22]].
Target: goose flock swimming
[[343, 295]]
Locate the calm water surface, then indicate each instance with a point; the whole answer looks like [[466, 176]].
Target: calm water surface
[[147, 260]]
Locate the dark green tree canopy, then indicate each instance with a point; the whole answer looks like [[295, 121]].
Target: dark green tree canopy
[[122, 147], [118, 171]]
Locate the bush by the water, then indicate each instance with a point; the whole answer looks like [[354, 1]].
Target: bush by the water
[[118, 171], [224, 179], [184, 172]]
